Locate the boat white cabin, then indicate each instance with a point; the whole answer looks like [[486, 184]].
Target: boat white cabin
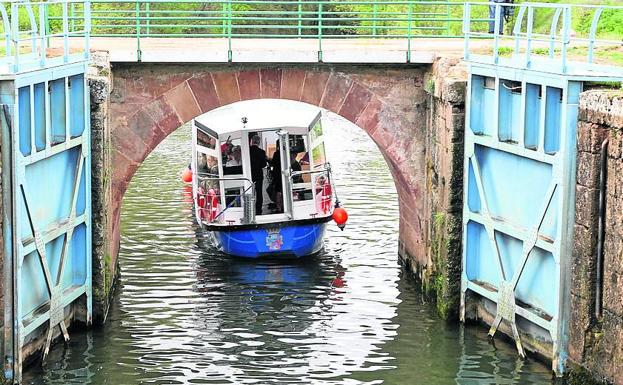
[[234, 190]]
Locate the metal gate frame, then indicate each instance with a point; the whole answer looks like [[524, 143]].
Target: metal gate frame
[[562, 183], [18, 203]]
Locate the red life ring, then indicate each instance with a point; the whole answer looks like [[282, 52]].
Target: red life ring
[[201, 203], [213, 204]]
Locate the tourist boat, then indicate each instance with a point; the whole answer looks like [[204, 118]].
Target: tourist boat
[[262, 186]]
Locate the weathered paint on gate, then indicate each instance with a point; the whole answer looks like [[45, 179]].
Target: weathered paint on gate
[[46, 180], [519, 181]]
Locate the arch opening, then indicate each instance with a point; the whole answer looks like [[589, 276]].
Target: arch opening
[[379, 103]]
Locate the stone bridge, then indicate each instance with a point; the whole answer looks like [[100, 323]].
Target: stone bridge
[[414, 113]]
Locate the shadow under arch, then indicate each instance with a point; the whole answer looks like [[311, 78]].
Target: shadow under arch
[[152, 101]]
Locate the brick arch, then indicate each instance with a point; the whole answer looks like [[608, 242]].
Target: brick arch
[[150, 102]]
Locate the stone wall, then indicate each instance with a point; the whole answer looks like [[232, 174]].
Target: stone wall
[[439, 269], [104, 270], [596, 344]]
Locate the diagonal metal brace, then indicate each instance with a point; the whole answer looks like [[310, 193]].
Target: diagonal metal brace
[[506, 292]]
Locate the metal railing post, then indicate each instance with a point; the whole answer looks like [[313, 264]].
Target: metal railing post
[[15, 34], [300, 17], [552, 33], [320, 31], [592, 34], [72, 14], [138, 31], [375, 14], [409, 20], [496, 33], [448, 16], [47, 24], [529, 28], [42, 10], [566, 36], [223, 18], [65, 33], [147, 21], [87, 29], [229, 30], [467, 12]]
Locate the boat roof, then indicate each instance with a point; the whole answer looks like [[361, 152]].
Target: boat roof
[[261, 114]]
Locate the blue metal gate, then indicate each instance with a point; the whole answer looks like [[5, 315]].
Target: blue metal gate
[[519, 176], [519, 194], [46, 178]]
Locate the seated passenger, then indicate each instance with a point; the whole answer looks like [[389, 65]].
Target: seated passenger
[[235, 158]]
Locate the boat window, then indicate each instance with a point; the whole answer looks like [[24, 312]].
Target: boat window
[[206, 140], [207, 170], [316, 131], [232, 157], [301, 179], [233, 197], [318, 155]]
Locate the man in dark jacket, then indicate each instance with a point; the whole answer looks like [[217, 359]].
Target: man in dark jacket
[[258, 162]]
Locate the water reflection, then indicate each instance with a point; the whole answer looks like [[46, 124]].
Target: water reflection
[[184, 313]]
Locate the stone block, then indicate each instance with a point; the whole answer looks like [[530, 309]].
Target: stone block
[[226, 86], [128, 142], [313, 87], [356, 100], [590, 137], [611, 362], [583, 262], [99, 89], [163, 114], [603, 107], [615, 145], [292, 83], [249, 84], [453, 90], [270, 82], [581, 310], [202, 87], [369, 118], [146, 130], [586, 206], [335, 92], [613, 291], [613, 251], [382, 138], [588, 165], [183, 102]]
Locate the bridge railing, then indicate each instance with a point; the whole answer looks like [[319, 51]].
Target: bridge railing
[[561, 38], [317, 20], [30, 39]]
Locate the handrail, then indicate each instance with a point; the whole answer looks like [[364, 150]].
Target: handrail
[[565, 50], [249, 217], [29, 41]]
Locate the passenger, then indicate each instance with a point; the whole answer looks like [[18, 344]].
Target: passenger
[[296, 167], [259, 160], [277, 187], [202, 164], [235, 158], [212, 166]]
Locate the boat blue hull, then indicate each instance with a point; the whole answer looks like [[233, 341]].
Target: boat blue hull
[[278, 241]]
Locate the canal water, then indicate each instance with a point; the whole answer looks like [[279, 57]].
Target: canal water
[[186, 314]]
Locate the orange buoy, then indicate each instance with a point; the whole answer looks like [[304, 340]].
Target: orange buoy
[[187, 176], [340, 216]]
